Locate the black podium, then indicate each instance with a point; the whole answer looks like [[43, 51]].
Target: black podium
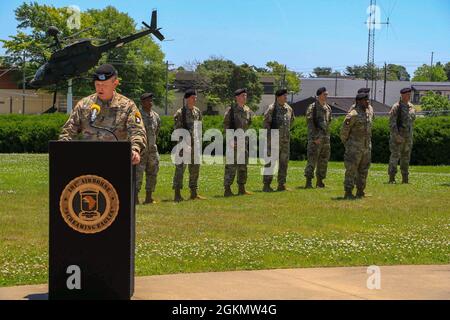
[[92, 221]]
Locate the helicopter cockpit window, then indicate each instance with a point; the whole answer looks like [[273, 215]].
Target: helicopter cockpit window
[[40, 73]]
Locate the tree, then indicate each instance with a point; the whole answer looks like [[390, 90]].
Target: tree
[[284, 77], [244, 76], [223, 77], [363, 71], [396, 72], [447, 70], [322, 71], [140, 63], [434, 102], [435, 73]]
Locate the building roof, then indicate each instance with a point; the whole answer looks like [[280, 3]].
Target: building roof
[[339, 105], [431, 87], [8, 78]]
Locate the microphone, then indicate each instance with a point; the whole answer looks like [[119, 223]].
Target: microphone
[[95, 110]]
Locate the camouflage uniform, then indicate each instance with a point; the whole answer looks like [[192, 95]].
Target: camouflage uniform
[[150, 158], [242, 120], [194, 169], [356, 134], [119, 115], [284, 120], [318, 119], [401, 125]]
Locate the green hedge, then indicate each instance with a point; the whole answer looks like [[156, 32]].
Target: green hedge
[[19, 134]]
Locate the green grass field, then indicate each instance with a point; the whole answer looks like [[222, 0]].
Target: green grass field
[[398, 224]]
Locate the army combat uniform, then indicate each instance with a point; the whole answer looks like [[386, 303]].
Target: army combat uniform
[[184, 119], [279, 117], [356, 134], [150, 158], [318, 119], [237, 118], [120, 115], [401, 123]]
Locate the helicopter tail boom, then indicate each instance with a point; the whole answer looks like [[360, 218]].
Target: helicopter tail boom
[[154, 26]]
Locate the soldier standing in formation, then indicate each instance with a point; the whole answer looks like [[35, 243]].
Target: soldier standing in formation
[[279, 116], [150, 158], [238, 116], [356, 134], [401, 123], [318, 117], [363, 90], [185, 118], [107, 116], [117, 116]]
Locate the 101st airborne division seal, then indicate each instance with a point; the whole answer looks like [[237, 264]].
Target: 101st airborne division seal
[[89, 204]]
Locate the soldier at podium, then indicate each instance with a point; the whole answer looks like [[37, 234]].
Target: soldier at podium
[[107, 116]]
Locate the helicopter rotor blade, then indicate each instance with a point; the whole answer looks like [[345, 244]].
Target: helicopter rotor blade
[[78, 33]]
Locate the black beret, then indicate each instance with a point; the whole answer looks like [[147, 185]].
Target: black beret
[[362, 96], [320, 91], [238, 92], [405, 90], [105, 72], [281, 92], [147, 95], [364, 90], [189, 93]]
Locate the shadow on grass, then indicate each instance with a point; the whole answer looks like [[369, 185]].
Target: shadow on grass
[[37, 296], [343, 199], [445, 184], [303, 188]]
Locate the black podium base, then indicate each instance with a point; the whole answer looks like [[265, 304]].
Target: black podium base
[[92, 221]]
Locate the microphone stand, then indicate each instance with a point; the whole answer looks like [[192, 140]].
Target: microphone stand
[[105, 129]]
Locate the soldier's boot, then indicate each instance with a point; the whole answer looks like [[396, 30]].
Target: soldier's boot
[[319, 183], [308, 184], [405, 179], [228, 193], [349, 194], [136, 198], [242, 191], [195, 195], [360, 193], [267, 188], [178, 197], [282, 187], [392, 179], [149, 198]]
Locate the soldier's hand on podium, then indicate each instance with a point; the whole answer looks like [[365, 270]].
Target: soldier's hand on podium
[[135, 158]]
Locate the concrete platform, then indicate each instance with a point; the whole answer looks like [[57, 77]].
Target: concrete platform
[[397, 282]]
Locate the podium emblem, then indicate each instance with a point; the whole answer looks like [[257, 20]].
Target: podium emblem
[[89, 204]]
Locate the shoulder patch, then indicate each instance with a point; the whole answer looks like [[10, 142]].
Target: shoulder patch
[[138, 117]]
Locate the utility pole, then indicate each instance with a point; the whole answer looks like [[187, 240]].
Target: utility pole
[[23, 82], [372, 23], [431, 66], [69, 96], [385, 80], [284, 77], [167, 87], [335, 84]]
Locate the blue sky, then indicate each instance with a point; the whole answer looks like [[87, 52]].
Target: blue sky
[[302, 34]]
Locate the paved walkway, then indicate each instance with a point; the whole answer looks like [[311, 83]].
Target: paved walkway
[[397, 282]]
